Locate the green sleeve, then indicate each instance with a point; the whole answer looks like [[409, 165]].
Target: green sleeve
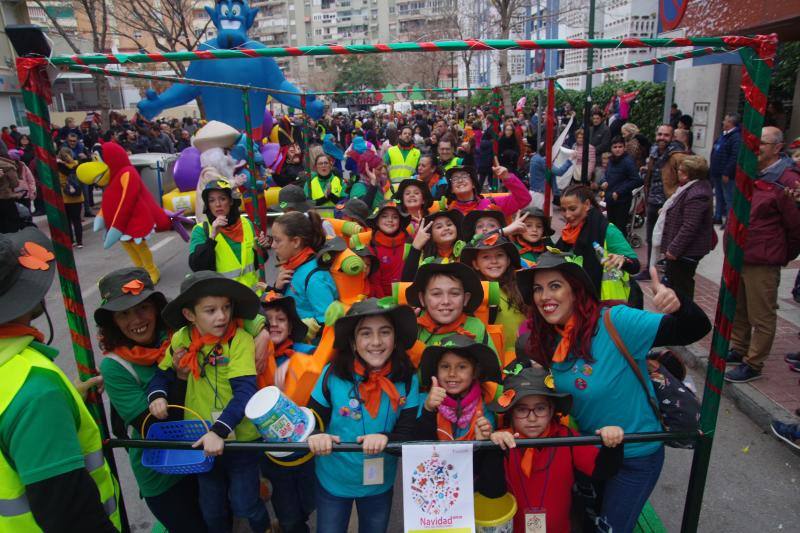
[[39, 429], [254, 326], [616, 243], [386, 158], [242, 356], [128, 397], [358, 190], [307, 189], [198, 237]]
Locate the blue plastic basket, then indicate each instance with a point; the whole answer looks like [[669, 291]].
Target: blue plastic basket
[[177, 461]]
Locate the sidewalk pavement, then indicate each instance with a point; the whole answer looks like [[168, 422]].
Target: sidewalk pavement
[[777, 393]]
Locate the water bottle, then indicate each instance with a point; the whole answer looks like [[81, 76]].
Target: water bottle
[[613, 273]]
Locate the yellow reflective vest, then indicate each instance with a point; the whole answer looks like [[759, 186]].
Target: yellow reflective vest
[[455, 162], [241, 269], [614, 287], [317, 194], [15, 513], [401, 167]]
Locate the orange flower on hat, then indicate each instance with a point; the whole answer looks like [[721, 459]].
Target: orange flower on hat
[[35, 256], [505, 399], [491, 240], [133, 287]]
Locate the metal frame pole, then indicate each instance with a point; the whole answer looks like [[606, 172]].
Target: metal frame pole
[[548, 147], [259, 207], [587, 105]]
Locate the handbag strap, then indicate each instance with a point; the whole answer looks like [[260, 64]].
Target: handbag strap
[[614, 334]]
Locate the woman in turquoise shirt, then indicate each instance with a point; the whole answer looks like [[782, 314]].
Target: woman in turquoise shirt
[[574, 343], [368, 394]]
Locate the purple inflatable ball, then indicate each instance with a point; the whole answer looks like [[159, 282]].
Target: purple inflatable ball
[[187, 169], [269, 121], [270, 152]]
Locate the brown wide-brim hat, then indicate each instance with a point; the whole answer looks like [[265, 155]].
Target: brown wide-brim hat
[[427, 197], [471, 220], [123, 289], [470, 251], [535, 212], [207, 283], [530, 381], [272, 299], [402, 316], [567, 262], [356, 209], [485, 358], [455, 216], [469, 278], [27, 268], [405, 218]]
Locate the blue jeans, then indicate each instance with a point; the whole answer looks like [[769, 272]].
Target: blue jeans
[[232, 484], [333, 512], [625, 494], [723, 196], [292, 493]]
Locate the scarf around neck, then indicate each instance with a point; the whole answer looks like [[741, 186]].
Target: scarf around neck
[[461, 412], [142, 355], [565, 344], [10, 331], [233, 231], [190, 359], [434, 328], [373, 384], [524, 246], [300, 258], [389, 241], [529, 455], [570, 233]]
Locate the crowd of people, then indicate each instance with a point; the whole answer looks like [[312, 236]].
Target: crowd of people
[[420, 293]]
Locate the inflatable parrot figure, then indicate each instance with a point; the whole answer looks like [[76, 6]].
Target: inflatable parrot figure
[[232, 19], [128, 213]]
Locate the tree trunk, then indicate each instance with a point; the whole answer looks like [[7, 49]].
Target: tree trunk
[[505, 79], [103, 99], [467, 69]]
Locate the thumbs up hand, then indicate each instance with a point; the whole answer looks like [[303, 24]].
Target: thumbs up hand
[[435, 397], [664, 299], [483, 428]]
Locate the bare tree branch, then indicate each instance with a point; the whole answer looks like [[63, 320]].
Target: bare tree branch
[[59, 28]]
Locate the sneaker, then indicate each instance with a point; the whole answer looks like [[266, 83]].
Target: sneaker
[[795, 367], [78, 246], [734, 357], [742, 374], [792, 358], [644, 275], [788, 433]]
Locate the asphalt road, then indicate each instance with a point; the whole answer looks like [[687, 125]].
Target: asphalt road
[[753, 483]]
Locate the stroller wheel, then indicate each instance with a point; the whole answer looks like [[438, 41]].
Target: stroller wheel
[[636, 241]]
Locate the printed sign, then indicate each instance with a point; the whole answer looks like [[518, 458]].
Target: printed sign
[[437, 488]]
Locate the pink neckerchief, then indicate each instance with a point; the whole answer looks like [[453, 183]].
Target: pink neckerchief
[[469, 403]]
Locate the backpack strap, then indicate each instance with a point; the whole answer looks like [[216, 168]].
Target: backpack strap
[[326, 388], [615, 336], [126, 365], [308, 278]]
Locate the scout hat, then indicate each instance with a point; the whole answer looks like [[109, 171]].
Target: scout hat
[[472, 284], [207, 283], [528, 382], [553, 259], [292, 198], [535, 212], [356, 209], [272, 299], [215, 134], [473, 175], [405, 218], [471, 220], [402, 316], [470, 251], [481, 354], [455, 216], [427, 197], [26, 271], [122, 289]]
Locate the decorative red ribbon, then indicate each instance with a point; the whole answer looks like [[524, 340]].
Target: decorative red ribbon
[[32, 72]]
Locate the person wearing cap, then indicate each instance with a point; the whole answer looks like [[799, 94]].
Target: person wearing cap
[[368, 394], [579, 343], [456, 372], [438, 240], [541, 479], [134, 339], [292, 478], [446, 294], [586, 226], [324, 188], [49, 442], [351, 218], [463, 194], [211, 345], [228, 244], [494, 258], [388, 239], [292, 198], [533, 238], [403, 158], [414, 199]]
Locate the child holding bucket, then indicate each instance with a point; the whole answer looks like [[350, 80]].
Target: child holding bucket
[[368, 394], [459, 370], [292, 477], [541, 479], [210, 343]]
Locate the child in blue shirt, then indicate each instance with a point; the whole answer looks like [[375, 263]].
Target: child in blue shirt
[[368, 394]]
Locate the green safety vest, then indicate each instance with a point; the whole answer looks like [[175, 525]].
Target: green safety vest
[[241, 269], [318, 194], [455, 162], [614, 289], [401, 168], [15, 512]]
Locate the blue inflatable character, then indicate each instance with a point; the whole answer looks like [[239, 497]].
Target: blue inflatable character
[[233, 19]]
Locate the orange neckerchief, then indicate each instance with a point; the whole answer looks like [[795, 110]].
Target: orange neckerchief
[[233, 231], [387, 240], [374, 383], [437, 329], [565, 344], [529, 455], [570, 234], [524, 246], [443, 424], [9, 331], [142, 355], [446, 252], [267, 377], [189, 359], [299, 258]]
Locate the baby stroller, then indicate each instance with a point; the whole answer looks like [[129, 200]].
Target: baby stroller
[[636, 219]]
